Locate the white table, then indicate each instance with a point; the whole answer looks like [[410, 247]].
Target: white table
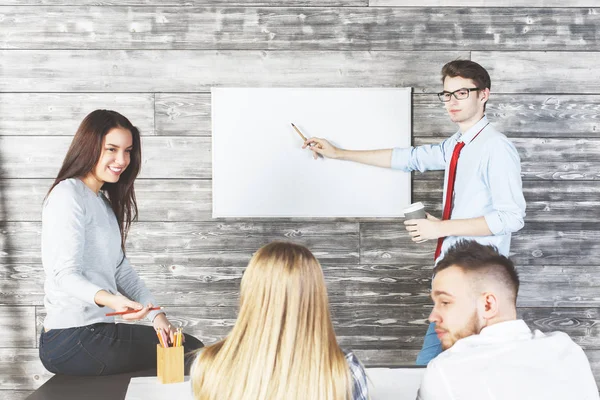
[[384, 384]]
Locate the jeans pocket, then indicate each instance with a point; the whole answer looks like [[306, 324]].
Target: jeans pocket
[[50, 335], [56, 342], [57, 337], [76, 360]]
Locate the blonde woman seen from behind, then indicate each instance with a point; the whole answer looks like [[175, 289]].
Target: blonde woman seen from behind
[[283, 345]]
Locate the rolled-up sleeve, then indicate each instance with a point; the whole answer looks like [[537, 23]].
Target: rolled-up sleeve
[[506, 188], [423, 158], [63, 240]]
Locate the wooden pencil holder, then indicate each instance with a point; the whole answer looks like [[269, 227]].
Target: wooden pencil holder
[[169, 364]]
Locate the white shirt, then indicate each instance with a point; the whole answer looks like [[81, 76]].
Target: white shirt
[[507, 361]]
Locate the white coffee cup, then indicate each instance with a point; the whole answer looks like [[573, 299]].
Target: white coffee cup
[[415, 211]]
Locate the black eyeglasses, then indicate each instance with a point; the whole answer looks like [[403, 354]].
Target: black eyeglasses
[[459, 94]]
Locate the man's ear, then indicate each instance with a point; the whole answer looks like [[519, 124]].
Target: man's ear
[[489, 307], [484, 95]]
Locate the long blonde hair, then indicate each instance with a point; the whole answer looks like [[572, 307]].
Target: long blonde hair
[[283, 345]]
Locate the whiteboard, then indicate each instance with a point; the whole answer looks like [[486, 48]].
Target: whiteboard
[[261, 170]]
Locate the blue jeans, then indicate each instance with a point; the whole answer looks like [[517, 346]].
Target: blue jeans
[[431, 346], [104, 349]]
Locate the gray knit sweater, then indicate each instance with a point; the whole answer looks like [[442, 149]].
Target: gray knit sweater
[[81, 254]]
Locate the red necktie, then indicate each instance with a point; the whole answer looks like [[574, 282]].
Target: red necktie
[[449, 193], [450, 190]]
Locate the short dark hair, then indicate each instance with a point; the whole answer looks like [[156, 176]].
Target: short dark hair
[[469, 70], [484, 260]]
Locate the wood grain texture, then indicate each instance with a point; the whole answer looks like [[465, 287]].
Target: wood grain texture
[[519, 115], [252, 28], [41, 157], [15, 394], [235, 242], [557, 244], [182, 284], [188, 283], [197, 71], [541, 72], [386, 358], [545, 159], [221, 3], [551, 170], [482, 3], [185, 114], [370, 327], [222, 243], [581, 324], [190, 200], [188, 114], [558, 286], [21, 369], [21, 284], [547, 201], [157, 199], [56, 114], [594, 359], [18, 326], [390, 328], [351, 285], [535, 244], [542, 149], [522, 115], [374, 327], [208, 243]]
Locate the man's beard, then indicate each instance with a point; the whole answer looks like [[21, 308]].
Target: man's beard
[[473, 327]]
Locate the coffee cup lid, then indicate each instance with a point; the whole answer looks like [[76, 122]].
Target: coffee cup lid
[[414, 207]]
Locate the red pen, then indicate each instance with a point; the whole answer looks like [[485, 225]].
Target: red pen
[[112, 314]]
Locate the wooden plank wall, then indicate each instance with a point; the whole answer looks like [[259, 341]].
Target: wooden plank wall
[[155, 62]]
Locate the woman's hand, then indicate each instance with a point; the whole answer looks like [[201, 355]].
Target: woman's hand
[[122, 303], [161, 321]]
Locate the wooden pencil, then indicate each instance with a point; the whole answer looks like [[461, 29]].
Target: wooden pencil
[[299, 133]]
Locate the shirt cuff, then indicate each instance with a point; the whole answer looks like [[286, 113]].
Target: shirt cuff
[[90, 291], [494, 223], [152, 314], [400, 157]]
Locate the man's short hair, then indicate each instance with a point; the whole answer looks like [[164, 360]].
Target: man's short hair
[[469, 70], [483, 261]]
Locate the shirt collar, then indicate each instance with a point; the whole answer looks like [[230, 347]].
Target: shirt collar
[[468, 136], [514, 327]]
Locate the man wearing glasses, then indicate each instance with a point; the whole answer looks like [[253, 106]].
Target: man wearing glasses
[[482, 170]]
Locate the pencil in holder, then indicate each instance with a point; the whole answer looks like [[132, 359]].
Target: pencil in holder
[[169, 364]]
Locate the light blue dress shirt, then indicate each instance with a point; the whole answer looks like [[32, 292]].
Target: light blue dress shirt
[[488, 181]]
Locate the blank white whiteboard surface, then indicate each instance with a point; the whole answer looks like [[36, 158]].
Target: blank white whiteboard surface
[[261, 170]]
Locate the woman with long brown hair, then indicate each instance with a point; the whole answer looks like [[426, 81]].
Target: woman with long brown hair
[[85, 220], [283, 345]]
